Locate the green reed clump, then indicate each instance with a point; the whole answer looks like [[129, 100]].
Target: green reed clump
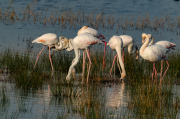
[[21, 69], [174, 67], [153, 101]]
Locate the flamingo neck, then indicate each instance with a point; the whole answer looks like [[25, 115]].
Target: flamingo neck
[[70, 46], [144, 45], [59, 45], [118, 50], [75, 61], [152, 41]]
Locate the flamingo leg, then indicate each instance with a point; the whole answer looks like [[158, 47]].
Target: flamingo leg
[[51, 61], [123, 55], [38, 56], [83, 66], [114, 67], [161, 68], [153, 70], [89, 64], [118, 65], [165, 71], [113, 64]]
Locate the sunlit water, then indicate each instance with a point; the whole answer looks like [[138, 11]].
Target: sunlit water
[[40, 103]]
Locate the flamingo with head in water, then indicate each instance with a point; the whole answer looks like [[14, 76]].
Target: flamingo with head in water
[[47, 39], [84, 42], [116, 43], [127, 41]]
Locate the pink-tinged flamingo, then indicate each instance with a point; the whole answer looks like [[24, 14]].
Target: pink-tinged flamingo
[[84, 42], [47, 39], [116, 43], [166, 44], [92, 31], [153, 53]]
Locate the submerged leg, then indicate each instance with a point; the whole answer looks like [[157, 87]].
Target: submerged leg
[[84, 58], [165, 71], [89, 64], [153, 70], [38, 56], [161, 68], [123, 56]]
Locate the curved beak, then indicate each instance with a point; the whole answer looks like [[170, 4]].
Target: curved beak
[[101, 36]]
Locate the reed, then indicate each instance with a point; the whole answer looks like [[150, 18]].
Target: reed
[[153, 101], [4, 98], [66, 18], [20, 66]]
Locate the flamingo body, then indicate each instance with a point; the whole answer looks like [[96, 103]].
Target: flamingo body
[[115, 43], [166, 44], [83, 42], [47, 39], [92, 31], [153, 53]]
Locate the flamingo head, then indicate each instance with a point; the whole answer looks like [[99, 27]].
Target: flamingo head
[[101, 36], [144, 35], [123, 74]]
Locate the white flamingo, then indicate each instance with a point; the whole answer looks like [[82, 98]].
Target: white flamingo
[[92, 31], [166, 44], [47, 39], [127, 42], [83, 42], [153, 53], [116, 43]]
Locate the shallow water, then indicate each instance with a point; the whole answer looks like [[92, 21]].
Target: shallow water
[[112, 99]]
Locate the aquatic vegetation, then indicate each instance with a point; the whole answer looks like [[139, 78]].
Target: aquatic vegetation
[[153, 101]]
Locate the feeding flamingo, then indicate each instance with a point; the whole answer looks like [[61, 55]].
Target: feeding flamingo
[[127, 41], [116, 43], [166, 44], [47, 39], [153, 53], [83, 42]]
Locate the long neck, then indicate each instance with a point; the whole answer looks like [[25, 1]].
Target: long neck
[[59, 45], [144, 45], [76, 59], [152, 41], [70, 48], [118, 50]]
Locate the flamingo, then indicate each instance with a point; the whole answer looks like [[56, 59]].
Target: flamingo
[[84, 42], [92, 31], [166, 44], [116, 43], [47, 39], [153, 53], [127, 41]]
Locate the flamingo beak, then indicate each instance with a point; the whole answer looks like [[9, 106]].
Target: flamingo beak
[[101, 36]]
